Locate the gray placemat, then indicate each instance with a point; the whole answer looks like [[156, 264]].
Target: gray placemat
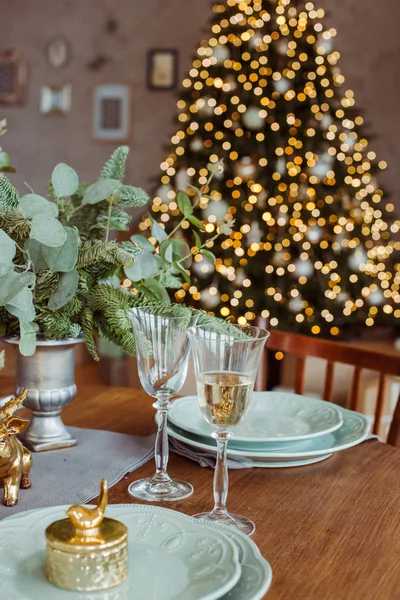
[[73, 475]]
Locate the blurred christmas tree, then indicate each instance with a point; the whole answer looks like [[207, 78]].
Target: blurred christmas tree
[[313, 248]]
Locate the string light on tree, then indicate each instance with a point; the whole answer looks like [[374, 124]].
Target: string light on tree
[[313, 246]]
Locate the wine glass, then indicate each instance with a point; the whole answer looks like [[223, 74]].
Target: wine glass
[[162, 350], [226, 369]]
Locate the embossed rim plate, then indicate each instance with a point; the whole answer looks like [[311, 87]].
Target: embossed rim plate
[[354, 430], [256, 573], [271, 417], [191, 561]]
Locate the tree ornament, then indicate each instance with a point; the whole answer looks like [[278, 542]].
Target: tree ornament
[[314, 234], [342, 297], [221, 53], [240, 276], [325, 44], [304, 268], [278, 260], [255, 234], [281, 47], [196, 144], [323, 165], [357, 258], [251, 118], [281, 165], [210, 297], [282, 85], [245, 168], [375, 298], [326, 121], [216, 208], [255, 41], [262, 199], [182, 179], [203, 268], [206, 109], [296, 305], [163, 191], [231, 81]]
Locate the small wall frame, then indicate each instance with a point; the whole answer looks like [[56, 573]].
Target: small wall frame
[[162, 69], [13, 78], [111, 112], [55, 99]]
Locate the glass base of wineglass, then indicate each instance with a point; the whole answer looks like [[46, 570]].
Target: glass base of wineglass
[[238, 522], [166, 491]]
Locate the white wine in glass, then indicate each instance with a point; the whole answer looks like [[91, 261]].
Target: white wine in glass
[[226, 365], [224, 397]]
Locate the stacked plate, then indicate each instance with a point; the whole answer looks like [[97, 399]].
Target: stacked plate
[[279, 429], [171, 557]]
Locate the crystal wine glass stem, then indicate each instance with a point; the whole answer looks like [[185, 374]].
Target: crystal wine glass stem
[[161, 447], [221, 480]]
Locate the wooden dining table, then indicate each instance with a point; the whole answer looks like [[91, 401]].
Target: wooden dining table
[[331, 531]]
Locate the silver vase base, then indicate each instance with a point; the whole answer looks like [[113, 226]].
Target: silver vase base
[[47, 433], [43, 445]]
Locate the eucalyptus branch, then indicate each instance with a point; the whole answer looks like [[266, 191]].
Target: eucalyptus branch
[[202, 190]]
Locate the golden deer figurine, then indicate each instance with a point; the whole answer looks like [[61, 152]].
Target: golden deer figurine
[[15, 459]]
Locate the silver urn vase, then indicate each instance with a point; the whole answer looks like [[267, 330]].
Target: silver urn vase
[[49, 376]]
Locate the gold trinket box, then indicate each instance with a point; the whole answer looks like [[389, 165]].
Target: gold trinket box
[[87, 551]]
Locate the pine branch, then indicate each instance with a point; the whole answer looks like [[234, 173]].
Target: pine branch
[[9, 197], [115, 166], [46, 283], [73, 307], [123, 338], [132, 196], [216, 325], [95, 252], [15, 225], [104, 296], [54, 324], [87, 330]]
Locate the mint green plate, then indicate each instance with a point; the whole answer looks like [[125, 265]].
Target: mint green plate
[[171, 557], [355, 429], [273, 417]]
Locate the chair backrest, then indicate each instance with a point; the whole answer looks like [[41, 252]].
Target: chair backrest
[[302, 346]]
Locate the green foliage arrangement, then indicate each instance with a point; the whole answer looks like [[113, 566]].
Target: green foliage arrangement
[[60, 272]]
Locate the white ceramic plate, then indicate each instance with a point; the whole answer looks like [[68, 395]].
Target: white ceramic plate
[[271, 417], [255, 578], [354, 430]]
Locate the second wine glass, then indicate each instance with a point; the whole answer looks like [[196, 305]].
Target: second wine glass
[[226, 367], [162, 350]]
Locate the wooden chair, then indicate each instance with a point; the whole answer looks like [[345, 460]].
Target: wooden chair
[[303, 346]]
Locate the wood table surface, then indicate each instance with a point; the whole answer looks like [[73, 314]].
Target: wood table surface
[[330, 530]]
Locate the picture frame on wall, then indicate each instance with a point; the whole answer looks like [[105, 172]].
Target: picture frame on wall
[[13, 78], [162, 69], [111, 119], [55, 99]]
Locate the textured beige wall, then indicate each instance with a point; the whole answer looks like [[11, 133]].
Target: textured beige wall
[[367, 38]]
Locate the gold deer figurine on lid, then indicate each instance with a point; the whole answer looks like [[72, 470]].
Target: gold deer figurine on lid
[[87, 551], [15, 459]]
